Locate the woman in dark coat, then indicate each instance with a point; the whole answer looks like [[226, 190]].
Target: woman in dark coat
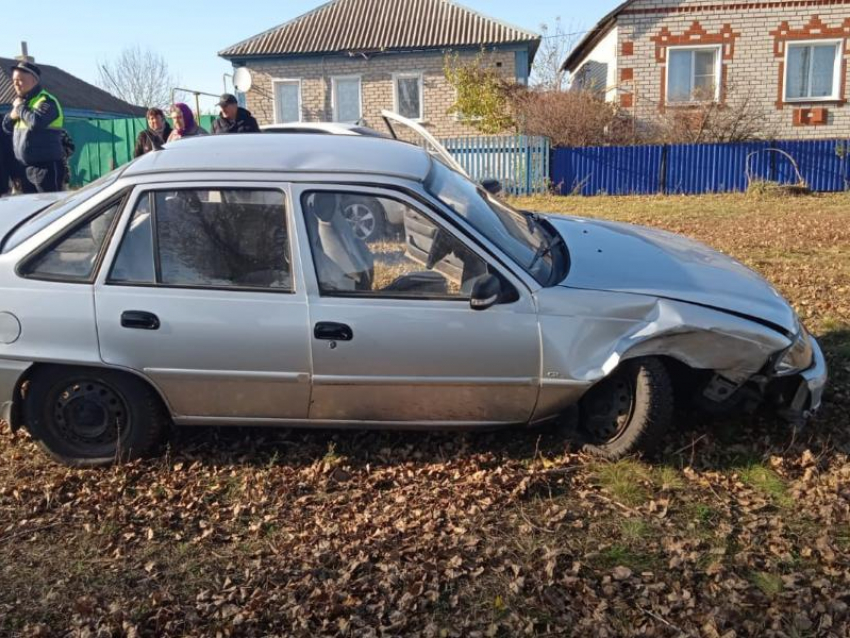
[[155, 135]]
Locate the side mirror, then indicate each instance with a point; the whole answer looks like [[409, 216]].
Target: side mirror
[[486, 292], [492, 186]]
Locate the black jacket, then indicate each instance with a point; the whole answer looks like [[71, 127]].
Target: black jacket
[[7, 162], [149, 140], [36, 143], [244, 123]]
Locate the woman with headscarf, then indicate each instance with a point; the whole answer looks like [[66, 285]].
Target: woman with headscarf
[[184, 123], [154, 136]]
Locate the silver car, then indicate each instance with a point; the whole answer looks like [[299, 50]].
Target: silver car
[[217, 283]]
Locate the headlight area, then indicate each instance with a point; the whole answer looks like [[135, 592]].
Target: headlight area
[[798, 357]]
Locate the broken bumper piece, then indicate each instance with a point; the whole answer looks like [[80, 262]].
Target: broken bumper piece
[[805, 397]]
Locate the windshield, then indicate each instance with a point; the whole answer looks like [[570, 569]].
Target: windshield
[[47, 216], [522, 236]]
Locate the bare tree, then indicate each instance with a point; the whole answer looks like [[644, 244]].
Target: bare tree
[[739, 118], [138, 76], [557, 42]]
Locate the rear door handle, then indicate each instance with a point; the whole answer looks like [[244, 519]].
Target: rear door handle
[[139, 320], [330, 331]]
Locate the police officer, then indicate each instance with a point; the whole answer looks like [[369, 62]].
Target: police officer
[[36, 124]]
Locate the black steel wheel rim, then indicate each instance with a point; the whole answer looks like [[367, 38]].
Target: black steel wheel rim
[[90, 414], [610, 409]]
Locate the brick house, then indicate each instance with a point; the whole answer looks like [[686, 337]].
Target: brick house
[[349, 59], [789, 57]]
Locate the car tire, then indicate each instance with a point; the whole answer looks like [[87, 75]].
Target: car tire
[[628, 412], [366, 216], [88, 417]]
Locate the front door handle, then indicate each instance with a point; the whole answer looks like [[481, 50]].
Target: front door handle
[[330, 331], [139, 320]]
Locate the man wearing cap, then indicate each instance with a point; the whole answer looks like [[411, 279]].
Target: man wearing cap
[[36, 122], [233, 118]]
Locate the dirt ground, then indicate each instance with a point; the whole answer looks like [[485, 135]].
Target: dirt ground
[[740, 528]]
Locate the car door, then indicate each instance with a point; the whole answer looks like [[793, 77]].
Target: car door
[[200, 295], [394, 337]]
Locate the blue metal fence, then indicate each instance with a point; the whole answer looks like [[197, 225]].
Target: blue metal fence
[[700, 168], [519, 162]]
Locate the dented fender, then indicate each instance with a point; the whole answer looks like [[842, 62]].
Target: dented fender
[[586, 334]]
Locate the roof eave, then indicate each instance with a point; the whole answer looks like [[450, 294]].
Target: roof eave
[[532, 44], [602, 28]]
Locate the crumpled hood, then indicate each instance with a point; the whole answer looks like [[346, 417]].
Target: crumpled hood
[[15, 209], [634, 259]]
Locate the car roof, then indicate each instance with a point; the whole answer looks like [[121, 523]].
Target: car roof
[[331, 127], [308, 153]]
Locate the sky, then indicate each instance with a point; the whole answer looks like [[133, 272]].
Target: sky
[[82, 34]]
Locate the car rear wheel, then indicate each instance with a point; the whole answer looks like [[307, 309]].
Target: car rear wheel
[[91, 417], [366, 216], [629, 411]]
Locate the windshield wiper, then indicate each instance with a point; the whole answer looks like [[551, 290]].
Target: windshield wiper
[[545, 249]]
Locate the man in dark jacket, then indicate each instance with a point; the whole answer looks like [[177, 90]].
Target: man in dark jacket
[[35, 123], [7, 159], [155, 135], [233, 118]]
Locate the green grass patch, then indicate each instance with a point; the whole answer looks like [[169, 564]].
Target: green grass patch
[[669, 478], [626, 481], [769, 584], [767, 482], [620, 555], [633, 530]]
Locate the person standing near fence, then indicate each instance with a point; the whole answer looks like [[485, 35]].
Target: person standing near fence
[[155, 135], [184, 123], [233, 118], [36, 124], [7, 159]]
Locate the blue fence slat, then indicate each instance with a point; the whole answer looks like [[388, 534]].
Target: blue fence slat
[[822, 163], [700, 168], [614, 170], [695, 169]]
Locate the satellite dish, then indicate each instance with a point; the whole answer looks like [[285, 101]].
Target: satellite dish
[[242, 80]]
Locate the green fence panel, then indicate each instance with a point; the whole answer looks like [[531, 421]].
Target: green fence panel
[[104, 145]]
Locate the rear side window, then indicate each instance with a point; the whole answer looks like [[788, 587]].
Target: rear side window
[[74, 256], [207, 238]]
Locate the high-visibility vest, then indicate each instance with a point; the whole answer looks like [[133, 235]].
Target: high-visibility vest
[[43, 95]]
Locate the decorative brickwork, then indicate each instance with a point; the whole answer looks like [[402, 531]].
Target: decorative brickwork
[[753, 36], [811, 117], [627, 100], [628, 48], [627, 75], [695, 35], [814, 29]]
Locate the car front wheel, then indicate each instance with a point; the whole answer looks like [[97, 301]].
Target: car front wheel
[[628, 412], [87, 417]]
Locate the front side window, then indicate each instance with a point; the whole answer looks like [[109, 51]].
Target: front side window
[[287, 100], [347, 99], [74, 257], [207, 238], [693, 75], [408, 95], [418, 260], [811, 71]]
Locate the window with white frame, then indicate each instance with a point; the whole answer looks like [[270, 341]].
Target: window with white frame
[[287, 101], [408, 90], [693, 74], [812, 70], [347, 99]]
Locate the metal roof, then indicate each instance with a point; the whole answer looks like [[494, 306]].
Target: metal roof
[[382, 25], [71, 91], [308, 153]]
